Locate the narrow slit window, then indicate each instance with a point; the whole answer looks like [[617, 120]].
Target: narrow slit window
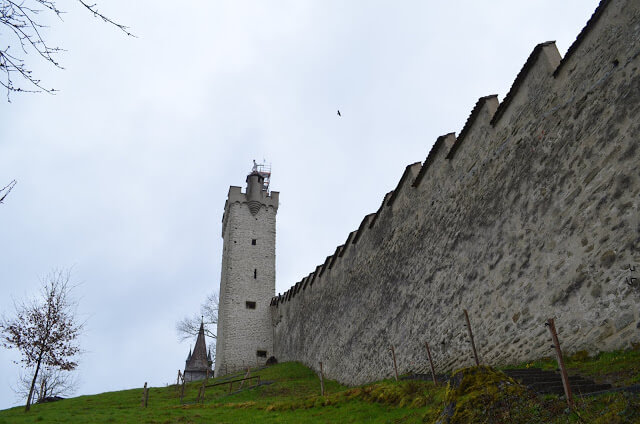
[[250, 305], [261, 354], [255, 274], [253, 242]]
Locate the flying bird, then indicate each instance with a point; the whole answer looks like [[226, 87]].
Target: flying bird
[[339, 113]]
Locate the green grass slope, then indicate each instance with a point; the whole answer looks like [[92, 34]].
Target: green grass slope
[[293, 397]]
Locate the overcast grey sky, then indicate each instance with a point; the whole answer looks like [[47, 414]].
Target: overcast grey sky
[[124, 173]]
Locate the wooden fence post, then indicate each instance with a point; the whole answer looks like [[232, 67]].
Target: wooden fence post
[[145, 396], [433, 371], [245, 377], [201, 391], [395, 367], [321, 380], [473, 345], [563, 371], [182, 390]]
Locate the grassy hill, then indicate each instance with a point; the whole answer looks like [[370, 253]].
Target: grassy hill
[[290, 394]]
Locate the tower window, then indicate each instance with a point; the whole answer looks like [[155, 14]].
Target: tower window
[[255, 274], [250, 305], [261, 354], [253, 242]]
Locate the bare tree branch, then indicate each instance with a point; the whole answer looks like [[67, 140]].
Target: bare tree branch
[[93, 9], [49, 384], [188, 327], [23, 20], [4, 191]]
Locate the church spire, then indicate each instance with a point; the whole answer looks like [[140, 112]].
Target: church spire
[[198, 366]]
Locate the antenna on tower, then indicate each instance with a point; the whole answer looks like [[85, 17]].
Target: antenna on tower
[[264, 171]]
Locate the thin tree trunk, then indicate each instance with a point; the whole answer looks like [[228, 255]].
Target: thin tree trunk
[[42, 347], [42, 392], [33, 383]]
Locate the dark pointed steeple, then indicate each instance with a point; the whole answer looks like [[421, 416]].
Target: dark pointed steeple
[[198, 361]]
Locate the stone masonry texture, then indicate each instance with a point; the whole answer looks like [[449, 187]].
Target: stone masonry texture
[[530, 213], [248, 275]]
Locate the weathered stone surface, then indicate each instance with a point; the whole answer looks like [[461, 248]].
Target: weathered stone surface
[[624, 320], [248, 275], [536, 211]]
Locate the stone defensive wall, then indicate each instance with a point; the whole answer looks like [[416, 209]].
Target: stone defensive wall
[[530, 213]]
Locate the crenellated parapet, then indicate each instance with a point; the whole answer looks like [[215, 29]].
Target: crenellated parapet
[[530, 212], [442, 143], [477, 121], [408, 176], [254, 199], [540, 65]]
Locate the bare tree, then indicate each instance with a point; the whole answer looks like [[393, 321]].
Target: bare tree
[[4, 192], [22, 20], [51, 383], [188, 327], [44, 329]]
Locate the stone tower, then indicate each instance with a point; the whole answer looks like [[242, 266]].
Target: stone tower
[[248, 276]]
